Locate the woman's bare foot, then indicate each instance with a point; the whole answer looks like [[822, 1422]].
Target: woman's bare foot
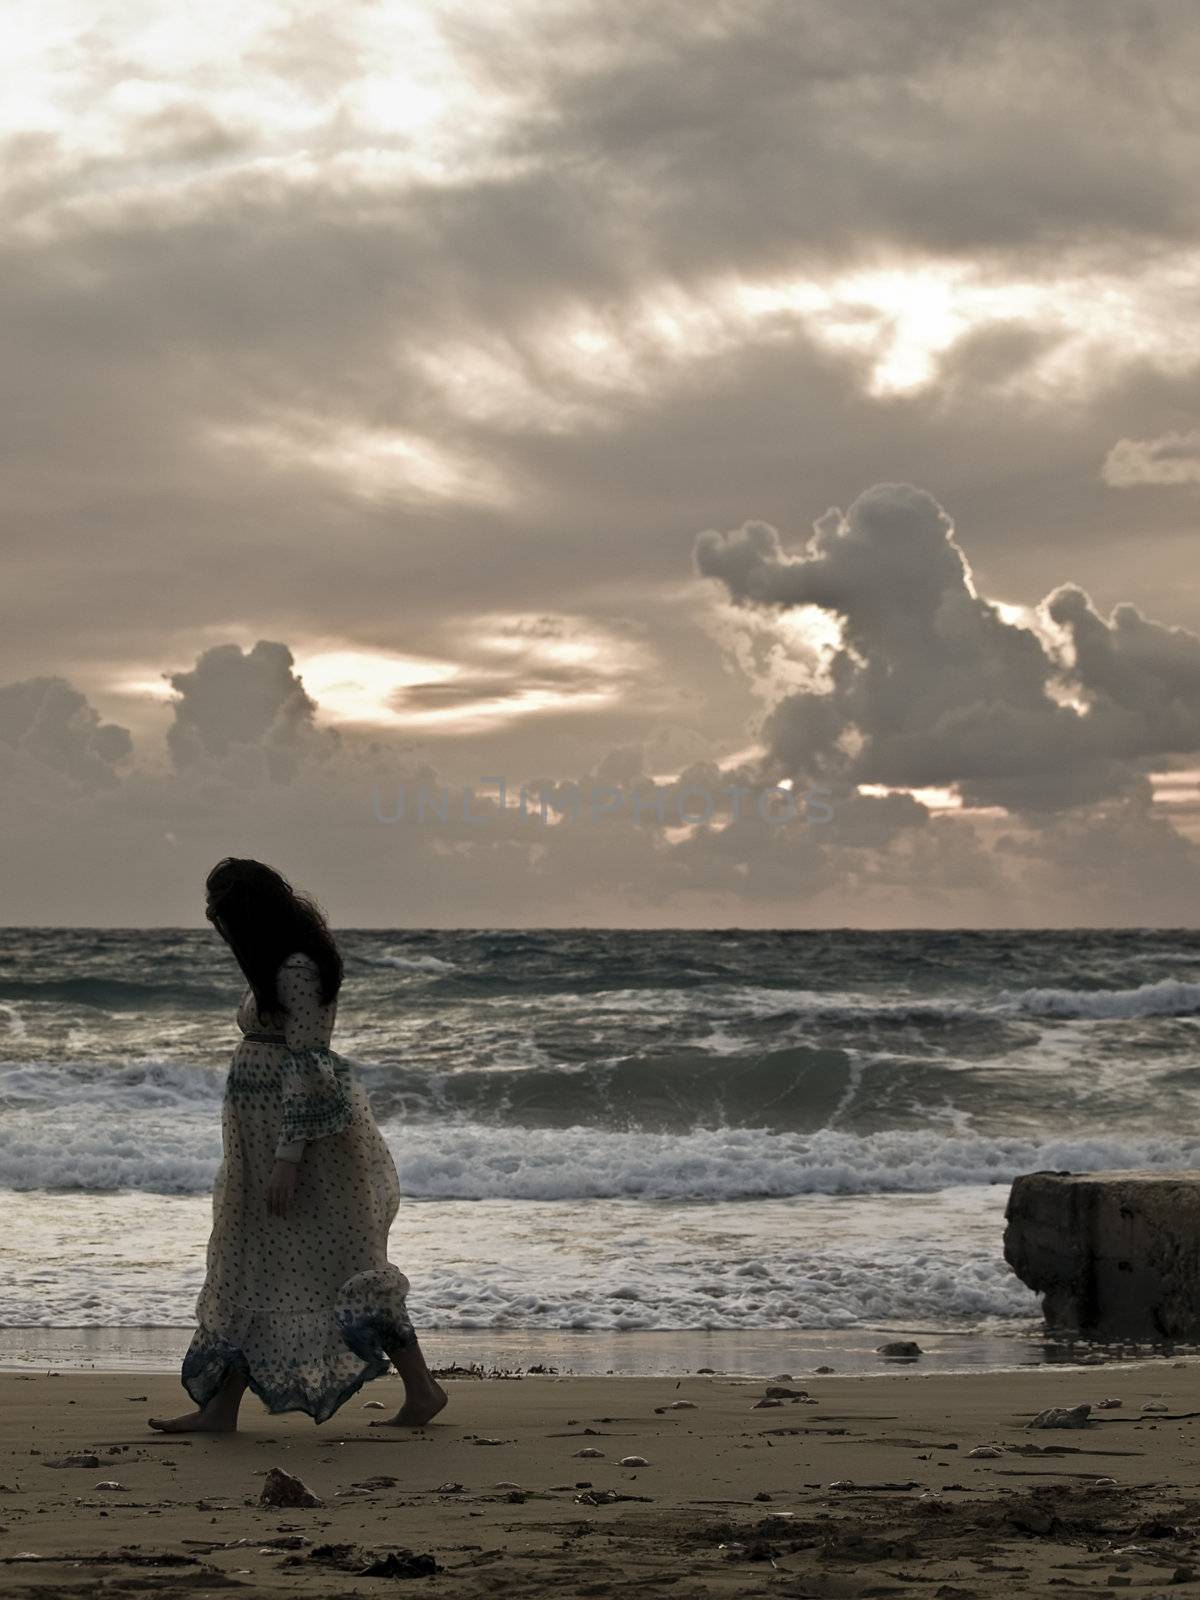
[[418, 1409], [196, 1422]]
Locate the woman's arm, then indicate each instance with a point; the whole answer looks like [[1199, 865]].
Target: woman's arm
[[315, 1103]]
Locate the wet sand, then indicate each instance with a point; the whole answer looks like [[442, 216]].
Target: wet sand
[[860, 1486]]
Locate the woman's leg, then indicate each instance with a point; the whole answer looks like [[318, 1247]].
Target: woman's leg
[[219, 1415], [424, 1396]]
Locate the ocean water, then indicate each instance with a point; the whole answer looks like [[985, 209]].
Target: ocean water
[[600, 1133]]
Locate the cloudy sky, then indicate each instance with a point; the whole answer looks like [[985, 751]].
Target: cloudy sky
[[770, 430]]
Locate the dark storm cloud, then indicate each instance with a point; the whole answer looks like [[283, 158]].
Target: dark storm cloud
[[47, 723], [779, 130], [233, 699], [932, 687]]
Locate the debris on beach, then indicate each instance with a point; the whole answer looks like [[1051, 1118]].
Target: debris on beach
[[872, 1488], [588, 1453], [1061, 1417], [110, 1483], [1155, 1405], [605, 1497], [374, 1405], [368, 1563], [984, 1451], [1107, 1405], [759, 1550], [634, 1461], [400, 1564], [282, 1489], [73, 1461]]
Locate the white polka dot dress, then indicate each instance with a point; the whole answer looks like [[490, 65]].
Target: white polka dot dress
[[303, 1304]]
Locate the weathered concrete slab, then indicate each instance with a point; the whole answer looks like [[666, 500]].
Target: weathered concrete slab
[[1115, 1254]]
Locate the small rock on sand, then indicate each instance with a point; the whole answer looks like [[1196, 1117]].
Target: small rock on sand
[[1155, 1405], [762, 1405], [906, 1348], [589, 1453], [824, 1369], [634, 1461], [683, 1405], [778, 1391], [984, 1451], [1107, 1405], [282, 1489], [73, 1461], [109, 1483], [1061, 1417]]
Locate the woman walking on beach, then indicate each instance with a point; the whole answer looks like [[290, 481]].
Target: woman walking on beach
[[300, 1303]]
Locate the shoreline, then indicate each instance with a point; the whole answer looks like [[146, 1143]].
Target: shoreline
[[629, 1354], [846, 1486]]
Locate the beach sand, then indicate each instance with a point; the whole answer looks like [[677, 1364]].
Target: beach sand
[[865, 1488]]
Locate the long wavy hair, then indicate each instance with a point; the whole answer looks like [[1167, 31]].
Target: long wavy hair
[[264, 920]]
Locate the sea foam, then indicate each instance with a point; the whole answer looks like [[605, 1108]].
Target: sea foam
[[178, 1153]]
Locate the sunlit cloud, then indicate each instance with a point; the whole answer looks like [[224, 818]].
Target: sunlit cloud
[[1176, 788], [898, 324], [933, 798], [370, 463], [395, 77], [904, 319]]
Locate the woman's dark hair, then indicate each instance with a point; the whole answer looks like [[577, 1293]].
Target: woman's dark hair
[[264, 920]]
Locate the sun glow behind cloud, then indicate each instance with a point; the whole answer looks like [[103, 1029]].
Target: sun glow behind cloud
[[512, 667], [898, 324]]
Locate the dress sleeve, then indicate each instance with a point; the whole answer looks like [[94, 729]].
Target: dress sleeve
[[315, 1102]]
